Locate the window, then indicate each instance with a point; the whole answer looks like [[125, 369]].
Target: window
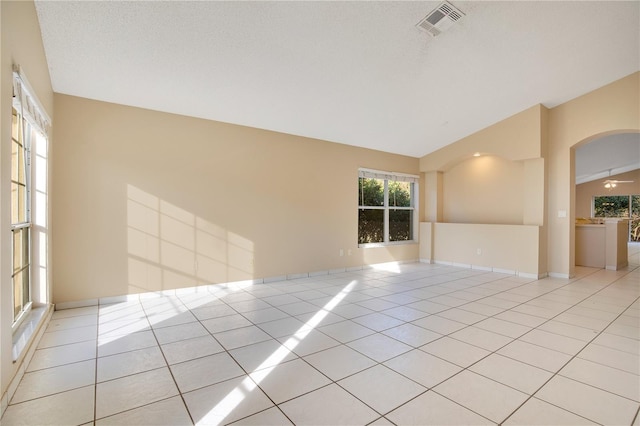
[[20, 214], [27, 130], [386, 207], [627, 206]]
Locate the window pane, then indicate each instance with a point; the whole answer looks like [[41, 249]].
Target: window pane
[[399, 194], [15, 128], [26, 288], [611, 206], [18, 285], [370, 192], [15, 150], [370, 226], [17, 250], [400, 226]]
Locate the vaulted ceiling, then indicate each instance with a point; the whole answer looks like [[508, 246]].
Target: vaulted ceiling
[[357, 73]]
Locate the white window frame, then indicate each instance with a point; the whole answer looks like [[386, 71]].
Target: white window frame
[[386, 177], [33, 118]]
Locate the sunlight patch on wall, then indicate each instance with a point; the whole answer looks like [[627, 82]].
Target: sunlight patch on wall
[[170, 247]]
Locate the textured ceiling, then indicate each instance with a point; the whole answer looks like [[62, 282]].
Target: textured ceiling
[[358, 73]]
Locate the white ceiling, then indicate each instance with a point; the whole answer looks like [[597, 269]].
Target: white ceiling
[[358, 73], [607, 156]]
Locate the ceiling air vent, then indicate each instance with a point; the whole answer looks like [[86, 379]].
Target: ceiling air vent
[[440, 19]]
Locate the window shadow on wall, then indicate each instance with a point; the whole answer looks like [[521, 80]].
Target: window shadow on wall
[[169, 247]]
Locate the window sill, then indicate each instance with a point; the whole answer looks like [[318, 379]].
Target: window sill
[[392, 243], [27, 330]]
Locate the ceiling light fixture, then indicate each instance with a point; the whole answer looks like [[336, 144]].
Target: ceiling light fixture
[[476, 154]]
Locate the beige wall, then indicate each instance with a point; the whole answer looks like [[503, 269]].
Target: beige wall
[[544, 140], [614, 108], [496, 198], [149, 201], [21, 45], [586, 191], [486, 189]]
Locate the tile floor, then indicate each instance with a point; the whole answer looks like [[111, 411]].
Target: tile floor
[[420, 345]]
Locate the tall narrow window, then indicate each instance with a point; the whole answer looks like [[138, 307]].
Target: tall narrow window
[[386, 207], [20, 214], [28, 128]]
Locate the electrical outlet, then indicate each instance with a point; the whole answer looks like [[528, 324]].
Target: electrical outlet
[[479, 251], [349, 252], [341, 252]]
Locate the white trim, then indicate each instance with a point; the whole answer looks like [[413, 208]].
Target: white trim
[[381, 174], [29, 100]]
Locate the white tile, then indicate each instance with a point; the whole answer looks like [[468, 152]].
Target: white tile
[[440, 324], [620, 343], [118, 344], [612, 357], [433, 409], [520, 318], [330, 405], [58, 324], [481, 338], [484, 396], [307, 343], [523, 377], [134, 391], [65, 337], [460, 315], [61, 355], [230, 322], [241, 337], [379, 347], [377, 321], [289, 380], [53, 380], [167, 412], [53, 410], [351, 310], [569, 330], [121, 328], [603, 377], [537, 412], [482, 309], [566, 345], [262, 355], [537, 356], [298, 308], [269, 417], [423, 368], [185, 350], [412, 334], [226, 401], [265, 315], [127, 363], [595, 404], [284, 327], [170, 319], [177, 333], [66, 313], [455, 351], [339, 362], [503, 327], [215, 310], [205, 371], [429, 307], [405, 313], [382, 388], [346, 331]]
